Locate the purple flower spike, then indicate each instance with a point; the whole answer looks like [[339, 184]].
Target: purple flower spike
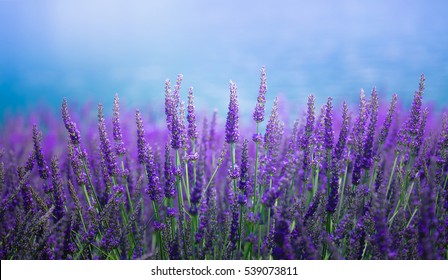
[[169, 174], [153, 188], [258, 114], [120, 150], [333, 196], [75, 135], [106, 148], [43, 168], [410, 129], [342, 141], [77, 165], [58, 192], [169, 105], [387, 122], [328, 122], [232, 133], [244, 173], [191, 117], [141, 142], [367, 159]]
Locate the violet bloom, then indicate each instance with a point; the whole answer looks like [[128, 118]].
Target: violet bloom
[[169, 105], [258, 114], [274, 130], [387, 122], [232, 133], [43, 168], [105, 146], [244, 171], [58, 191], [343, 134], [120, 149], [415, 148], [304, 141], [141, 141], [367, 159], [191, 117], [359, 127], [75, 135], [153, 188], [27, 197], [169, 174], [333, 195], [410, 129], [328, 132]]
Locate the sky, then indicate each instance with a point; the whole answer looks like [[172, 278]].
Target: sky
[[86, 51]]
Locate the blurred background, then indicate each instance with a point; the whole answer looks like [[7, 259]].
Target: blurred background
[[87, 51]]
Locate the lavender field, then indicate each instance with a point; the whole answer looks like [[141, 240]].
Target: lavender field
[[352, 181]]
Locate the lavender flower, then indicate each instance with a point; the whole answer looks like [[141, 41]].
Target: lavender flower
[[169, 174], [58, 192], [367, 159], [43, 168], [232, 133], [169, 105], [106, 148], [153, 188], [244, 173], [75, 135], [343, 135], [387, 122], [141, 141], [120, 149], [258, 114], [191, 117], [328, 132]]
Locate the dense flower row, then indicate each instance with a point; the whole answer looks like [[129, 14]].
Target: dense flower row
[[370, 184]]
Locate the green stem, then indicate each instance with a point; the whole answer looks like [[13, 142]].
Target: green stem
[[391, 176]]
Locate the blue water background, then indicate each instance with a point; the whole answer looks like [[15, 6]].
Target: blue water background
[[88, 50]]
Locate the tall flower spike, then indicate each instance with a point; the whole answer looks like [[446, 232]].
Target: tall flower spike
[[191, 117], [258, 114], [77, 165], [153, 188], [342, 141], [360, 123], [270, 137], [244, 173], [273, 138], [309, 126], [141, 141], [328, 122], [43, 168], [169, 174], [106, 148], [305, 139], [120, 150], [333, 195], [410, 129], [73, 132], [169, 105], [232, 133], [387, 122], [367, 158], [182, 127], [58, 192]]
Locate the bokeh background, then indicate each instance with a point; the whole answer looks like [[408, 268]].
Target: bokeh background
[[87, 51]]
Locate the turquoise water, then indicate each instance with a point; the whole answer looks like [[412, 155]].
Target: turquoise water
[[88, 51]]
